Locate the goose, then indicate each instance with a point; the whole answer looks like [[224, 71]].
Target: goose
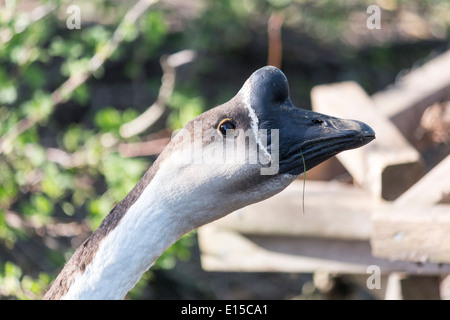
[[241, 152]]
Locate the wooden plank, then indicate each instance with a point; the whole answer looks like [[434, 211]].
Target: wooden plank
[[412, 233], [420, 287], [387, 166], [413, 228], [444, 287], [345, 213], [401, 286], [433, 188], [328, 170], [405, 101], [227, 250]]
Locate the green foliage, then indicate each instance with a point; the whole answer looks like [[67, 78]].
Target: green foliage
[[34, 60], [39, 106], [8, 234], [13, 283], [108, 119], [180, 250], [154, 29], [185, 107]]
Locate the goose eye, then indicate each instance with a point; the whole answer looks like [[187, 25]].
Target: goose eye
[[317, 121], [226, 124]]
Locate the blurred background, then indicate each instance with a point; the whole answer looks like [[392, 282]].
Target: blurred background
[[76, 78]]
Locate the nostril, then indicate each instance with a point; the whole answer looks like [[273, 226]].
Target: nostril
[[317, 121]]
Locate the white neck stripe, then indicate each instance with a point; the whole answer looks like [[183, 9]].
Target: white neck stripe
[[252, 114]]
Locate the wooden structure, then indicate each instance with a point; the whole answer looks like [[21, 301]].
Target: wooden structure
[[394, 215]]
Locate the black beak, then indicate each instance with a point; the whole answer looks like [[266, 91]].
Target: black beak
[[316, 137], [302, 133]]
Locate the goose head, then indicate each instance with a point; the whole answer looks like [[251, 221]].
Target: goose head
[[233, 155], [251, 148]]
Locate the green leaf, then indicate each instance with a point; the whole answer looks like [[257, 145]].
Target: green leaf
[[120, 181], [60, 47], [154, 29], [34, 76], [55, 181], [36, 154], [72, 138], [81, 94], [8, 93], [130, 31], [39, 107], [74, 66], [108, 119], [42, 204], [7, 234], [184, 109]]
